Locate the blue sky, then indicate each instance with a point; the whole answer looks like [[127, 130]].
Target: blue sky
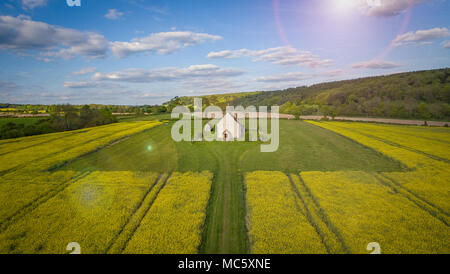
[[146, 52]]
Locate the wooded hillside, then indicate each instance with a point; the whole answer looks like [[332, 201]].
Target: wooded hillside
[[412, 95]]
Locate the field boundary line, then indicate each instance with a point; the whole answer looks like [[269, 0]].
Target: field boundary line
[[307, 213], [434, 157], [70, 134], [246, 224], [40, 200], [414, 194], [323, 214], [135, 228], [331, 239], [212, 205], [226, 188], [63, 163], [133, 214], [402, 165], [418, 136], [246, 215], [208, 208], [56, 166], [391, 143], [423, 204], [60, 165], [225, 230], [16, 140]]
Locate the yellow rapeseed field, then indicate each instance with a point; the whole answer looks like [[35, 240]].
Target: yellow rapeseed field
[[25, 183], [43, 208], [412, 157], [174, 223], [11, 145], [120, 243], [57, 151], [406, 212], [364, 210], [432, 141], [91, 212], [430, 186], [19, 189], [277, 224]]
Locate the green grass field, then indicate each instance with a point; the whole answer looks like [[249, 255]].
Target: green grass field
[[129, 118], [337, 180], [25, 121]]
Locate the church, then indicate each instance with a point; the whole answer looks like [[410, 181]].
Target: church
[[228, 128]]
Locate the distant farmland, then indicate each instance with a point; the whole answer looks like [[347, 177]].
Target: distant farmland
[[332, 187], [24, 121]]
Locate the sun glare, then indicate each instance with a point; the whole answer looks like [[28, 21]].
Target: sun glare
[[343, 5]]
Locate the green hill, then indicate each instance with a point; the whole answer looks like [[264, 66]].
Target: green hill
[[221, 100], [412, 95]]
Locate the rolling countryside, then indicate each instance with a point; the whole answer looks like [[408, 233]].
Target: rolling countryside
[[332, 187]]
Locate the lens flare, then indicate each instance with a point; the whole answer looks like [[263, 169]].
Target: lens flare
[[403, 28], [276, 14], [343, 5]]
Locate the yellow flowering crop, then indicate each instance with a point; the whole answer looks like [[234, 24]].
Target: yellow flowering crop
[[175, 221], [432, 141], [365, 210], [91, 212], [430, 186], [25, 182], [276, 223], [59, 150], [413, 154]]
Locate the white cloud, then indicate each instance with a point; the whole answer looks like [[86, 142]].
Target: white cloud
[[446, 45], [420, 37], [90, 84], [193, 79], [376, 64], [8, 86], [279, 55], [94, 46], [21, 34], [298, 76], [81, 84], [205, 85], [161, 43], [85, 71], [385, 8], [31, 4], [229, 54], [168, 74], [113, 14]]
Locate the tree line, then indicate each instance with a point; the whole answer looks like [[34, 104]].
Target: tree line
[[412, 95], [36, 109], [62, 118]]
